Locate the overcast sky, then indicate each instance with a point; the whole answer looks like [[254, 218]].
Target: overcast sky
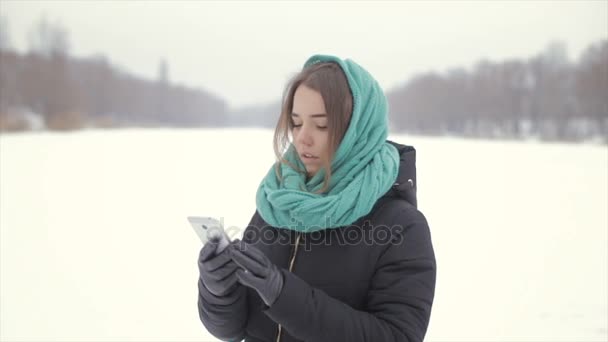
[[246, 51]]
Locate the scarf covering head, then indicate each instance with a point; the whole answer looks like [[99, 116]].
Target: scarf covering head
[[364, 166]]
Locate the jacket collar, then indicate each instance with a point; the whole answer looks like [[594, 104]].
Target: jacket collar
[[405, 186]]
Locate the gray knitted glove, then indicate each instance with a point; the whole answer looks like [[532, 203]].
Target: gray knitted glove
[[217, 272], [257, 271]]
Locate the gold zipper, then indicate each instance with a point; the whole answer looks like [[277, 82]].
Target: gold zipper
[[293, 259]]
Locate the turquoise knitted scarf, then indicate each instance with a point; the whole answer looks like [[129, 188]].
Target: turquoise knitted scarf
[[364, 167]]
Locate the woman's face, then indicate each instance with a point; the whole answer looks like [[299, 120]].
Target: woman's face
[[310, 134]]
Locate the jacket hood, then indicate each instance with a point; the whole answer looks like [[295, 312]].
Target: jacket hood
[[405, 186]]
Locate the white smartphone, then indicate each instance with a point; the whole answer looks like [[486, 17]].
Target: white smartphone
[[209, 228]]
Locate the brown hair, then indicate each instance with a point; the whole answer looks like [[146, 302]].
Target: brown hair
[[330, 81]]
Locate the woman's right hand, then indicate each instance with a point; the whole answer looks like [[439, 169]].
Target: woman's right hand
[[217, 272]]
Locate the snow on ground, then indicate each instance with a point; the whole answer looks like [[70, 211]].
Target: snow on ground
[[95, 245]]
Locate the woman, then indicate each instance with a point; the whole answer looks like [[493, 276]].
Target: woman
[[336, 250]]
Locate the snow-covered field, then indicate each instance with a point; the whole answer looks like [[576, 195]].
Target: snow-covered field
[[95, 245]]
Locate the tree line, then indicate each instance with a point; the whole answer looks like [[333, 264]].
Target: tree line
[[68, 93], [547, 96]]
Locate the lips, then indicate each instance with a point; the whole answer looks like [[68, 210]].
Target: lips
[[308, 156]]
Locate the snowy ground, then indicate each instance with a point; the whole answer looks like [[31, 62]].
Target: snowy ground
[[95, 244]]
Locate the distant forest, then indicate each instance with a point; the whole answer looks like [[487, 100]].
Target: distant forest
[[48, 89], [545, 97]]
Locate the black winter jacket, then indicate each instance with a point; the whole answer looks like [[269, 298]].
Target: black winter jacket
[[371, 281]]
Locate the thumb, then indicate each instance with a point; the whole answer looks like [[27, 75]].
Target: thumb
[[207, 251]]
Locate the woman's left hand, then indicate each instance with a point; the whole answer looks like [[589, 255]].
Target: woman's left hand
[[257, 271]]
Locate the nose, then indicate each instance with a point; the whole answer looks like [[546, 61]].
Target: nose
[[305, 136]]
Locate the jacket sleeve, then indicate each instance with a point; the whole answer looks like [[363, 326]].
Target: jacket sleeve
[[399, 298], [224, 317]]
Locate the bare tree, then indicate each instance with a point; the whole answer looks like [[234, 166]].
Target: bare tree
[[47, 76], [592, 85], [48, 39]]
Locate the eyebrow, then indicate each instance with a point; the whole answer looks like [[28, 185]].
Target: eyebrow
[[314, 115]]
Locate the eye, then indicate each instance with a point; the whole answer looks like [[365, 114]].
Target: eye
[[322, 127]]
